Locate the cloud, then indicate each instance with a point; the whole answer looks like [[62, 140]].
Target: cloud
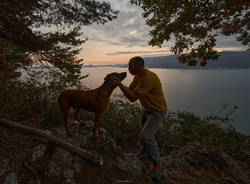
[[137, 52], [128, 34], [229, 42], [129, 29]]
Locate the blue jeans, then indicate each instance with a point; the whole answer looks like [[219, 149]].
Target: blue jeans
[[150, 123]]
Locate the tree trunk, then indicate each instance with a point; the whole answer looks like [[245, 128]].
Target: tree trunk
[[93, 157]]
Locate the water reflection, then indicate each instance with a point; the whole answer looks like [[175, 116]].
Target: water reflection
[[200, 91]]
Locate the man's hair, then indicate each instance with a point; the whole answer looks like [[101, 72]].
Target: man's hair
[[137, 60]]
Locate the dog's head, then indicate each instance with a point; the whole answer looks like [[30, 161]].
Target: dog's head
[[121, 76]]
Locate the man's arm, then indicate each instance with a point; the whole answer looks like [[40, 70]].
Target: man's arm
[[131, 95], [133, 85]]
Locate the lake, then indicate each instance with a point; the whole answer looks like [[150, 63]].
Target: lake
[[200, 91]]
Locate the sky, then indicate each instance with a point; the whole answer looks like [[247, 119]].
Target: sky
[[127, 36]]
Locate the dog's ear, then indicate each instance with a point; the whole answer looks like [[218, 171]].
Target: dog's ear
[[107, 77], [108, 81]]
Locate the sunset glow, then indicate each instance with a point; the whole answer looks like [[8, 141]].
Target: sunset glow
[[128, 36]]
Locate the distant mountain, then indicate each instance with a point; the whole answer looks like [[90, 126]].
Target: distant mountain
[[227, 60], [108, 65], [89, 65]]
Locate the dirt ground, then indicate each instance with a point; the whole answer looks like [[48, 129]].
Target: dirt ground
[[57, 166]]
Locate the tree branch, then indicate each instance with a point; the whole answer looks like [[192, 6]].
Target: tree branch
[[92, 157]]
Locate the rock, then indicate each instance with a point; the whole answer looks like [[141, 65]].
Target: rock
[[69, 165], [66, 164], [54, 169], [214, 165], [69, 175], [130, 165], [190, 156], [63, 163], [11, 179], [77, 164], [38, 153], [4, 166], [88, 123]]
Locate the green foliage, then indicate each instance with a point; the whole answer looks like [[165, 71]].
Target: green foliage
[[47, 31], [11, 58], [31, 101], [179, 129], [195, 24], [37, 105], [190, 129], [121, 120]]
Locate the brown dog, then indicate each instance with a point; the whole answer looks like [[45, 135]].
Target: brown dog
[[95, 100]]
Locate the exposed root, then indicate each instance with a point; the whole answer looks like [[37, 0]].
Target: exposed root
[[28, 166]]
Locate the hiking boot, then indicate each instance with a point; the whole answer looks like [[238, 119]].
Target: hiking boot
[[157, 174]]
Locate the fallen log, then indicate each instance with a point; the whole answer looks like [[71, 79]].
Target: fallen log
[[92, 157]]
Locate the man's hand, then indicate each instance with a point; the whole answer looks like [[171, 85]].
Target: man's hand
[[131, 95], [115, 81]]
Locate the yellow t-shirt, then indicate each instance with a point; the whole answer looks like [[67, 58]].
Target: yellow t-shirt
[[149, 86]]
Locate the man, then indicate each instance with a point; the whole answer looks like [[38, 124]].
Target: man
[[146, 87]]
